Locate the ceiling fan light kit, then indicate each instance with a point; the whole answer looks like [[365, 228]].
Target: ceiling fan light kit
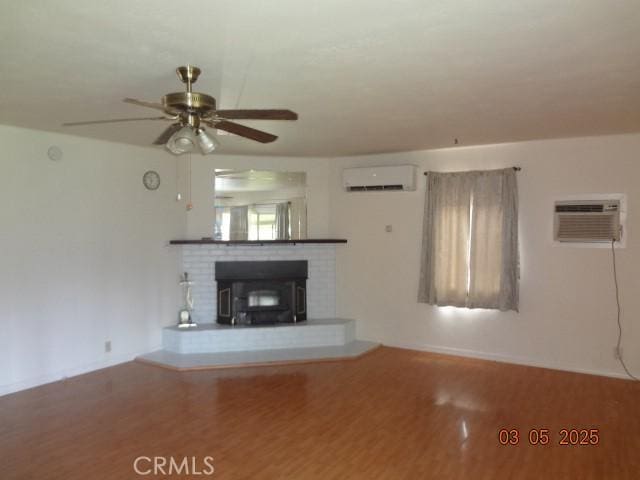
[[181, 141], [206, 142], [189, 110]]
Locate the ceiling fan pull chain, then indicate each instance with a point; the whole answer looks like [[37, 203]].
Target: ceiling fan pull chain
[[190, 202]]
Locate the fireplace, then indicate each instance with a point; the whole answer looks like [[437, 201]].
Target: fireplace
[[255, 293]]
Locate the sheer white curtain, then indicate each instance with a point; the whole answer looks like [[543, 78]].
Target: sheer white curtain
[[298, 218], [282, 221], [239, 223], [470, 241]]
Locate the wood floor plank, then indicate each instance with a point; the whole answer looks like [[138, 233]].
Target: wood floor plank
[[393, 414]]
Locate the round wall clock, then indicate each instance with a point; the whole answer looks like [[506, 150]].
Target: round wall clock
[[54, 153], [151, 180]]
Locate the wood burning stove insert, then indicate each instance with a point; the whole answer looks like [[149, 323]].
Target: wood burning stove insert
[[261, 292]]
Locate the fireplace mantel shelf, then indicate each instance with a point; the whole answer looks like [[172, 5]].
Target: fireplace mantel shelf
[[209, 241]]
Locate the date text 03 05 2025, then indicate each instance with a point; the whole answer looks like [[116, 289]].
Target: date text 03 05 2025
[[543, 436]]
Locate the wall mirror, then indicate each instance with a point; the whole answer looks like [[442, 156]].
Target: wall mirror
[[260, 205]]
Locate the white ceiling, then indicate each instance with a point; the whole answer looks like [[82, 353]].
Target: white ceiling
[[364, 76]]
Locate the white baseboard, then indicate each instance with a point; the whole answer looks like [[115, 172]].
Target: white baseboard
[[495, 357], [66, 373]]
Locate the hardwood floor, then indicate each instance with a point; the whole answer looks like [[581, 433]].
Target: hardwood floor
[[393, 414]]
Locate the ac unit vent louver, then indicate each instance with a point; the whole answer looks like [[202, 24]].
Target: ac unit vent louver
[[366, 188], [587, 221]]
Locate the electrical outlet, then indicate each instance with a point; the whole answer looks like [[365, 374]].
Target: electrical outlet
[[107, 346], [617, 352]]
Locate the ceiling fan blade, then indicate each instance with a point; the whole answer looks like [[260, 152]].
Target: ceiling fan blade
[[114, 120], [141, 103], [241, 130], [258, 114], [164, 136]]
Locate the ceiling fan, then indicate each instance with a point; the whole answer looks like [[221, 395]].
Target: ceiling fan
[[189, 111]]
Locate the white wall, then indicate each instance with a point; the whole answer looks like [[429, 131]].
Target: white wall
[[83, 255], [567, 318], [200, 220]]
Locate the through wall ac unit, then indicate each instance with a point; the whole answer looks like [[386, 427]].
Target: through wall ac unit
[[398, 177], [587, 221]]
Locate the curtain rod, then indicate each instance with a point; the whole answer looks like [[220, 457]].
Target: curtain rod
[[517, 169]]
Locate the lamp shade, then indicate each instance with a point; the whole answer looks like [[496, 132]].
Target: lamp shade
[[206, 141], [182, 141]]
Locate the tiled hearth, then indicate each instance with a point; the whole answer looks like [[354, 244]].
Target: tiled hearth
[[224, 338], [215, 346]]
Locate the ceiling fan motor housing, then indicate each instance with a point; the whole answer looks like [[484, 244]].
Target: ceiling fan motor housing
[[192, 102]]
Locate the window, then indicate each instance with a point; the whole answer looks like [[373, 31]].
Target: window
[[222, 225], [262, 222], [470, 242]]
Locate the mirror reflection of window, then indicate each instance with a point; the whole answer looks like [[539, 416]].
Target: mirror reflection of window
[[260, 205]]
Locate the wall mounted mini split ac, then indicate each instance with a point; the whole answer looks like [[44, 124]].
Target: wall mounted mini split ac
[[587, 221]]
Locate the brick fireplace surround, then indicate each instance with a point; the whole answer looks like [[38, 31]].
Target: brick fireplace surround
[[199, 262]]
